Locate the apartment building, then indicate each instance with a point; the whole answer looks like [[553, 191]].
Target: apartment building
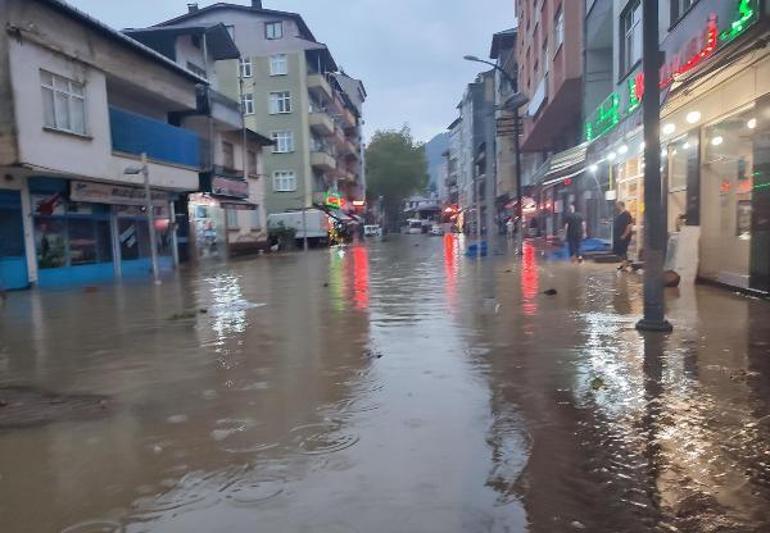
[[550, 65], [293, 90], [470, 135], [80, 103], [715, 101], [227, 216], [503, 52]]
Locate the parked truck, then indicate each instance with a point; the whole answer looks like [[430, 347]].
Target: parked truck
[[316, 224]]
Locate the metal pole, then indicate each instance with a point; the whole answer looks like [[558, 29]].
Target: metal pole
[[655, 238], [519, 210], [477, 188], [150, 219]]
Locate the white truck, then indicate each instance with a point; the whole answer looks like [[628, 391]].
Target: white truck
[[317, 224]]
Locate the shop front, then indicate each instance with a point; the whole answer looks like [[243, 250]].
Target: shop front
[[222, 220], [86, 232]]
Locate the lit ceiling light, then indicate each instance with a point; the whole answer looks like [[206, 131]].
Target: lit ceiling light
[[716, 141], [611, 156], [623, 149], [594, 168], [663, 154], [693, 117], [642, 146], [686, 145], [752, 123], [674, 152], [669, 128]]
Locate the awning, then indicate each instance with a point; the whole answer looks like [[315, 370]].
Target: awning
[[562, 165], [237, 205]]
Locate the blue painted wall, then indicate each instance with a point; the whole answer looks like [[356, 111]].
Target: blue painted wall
[[135, 134], [13, 263]]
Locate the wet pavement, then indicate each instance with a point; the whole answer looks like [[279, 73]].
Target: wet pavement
[[380, 389]]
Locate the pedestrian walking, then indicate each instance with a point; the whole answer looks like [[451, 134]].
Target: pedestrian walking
[[621, 235], [575, 232]]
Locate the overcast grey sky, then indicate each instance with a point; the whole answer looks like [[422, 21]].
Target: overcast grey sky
[[407, 52]]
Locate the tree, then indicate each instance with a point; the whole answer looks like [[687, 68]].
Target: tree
[[396, 167]]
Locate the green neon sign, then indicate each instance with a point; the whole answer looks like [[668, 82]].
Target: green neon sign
[[610, 113]]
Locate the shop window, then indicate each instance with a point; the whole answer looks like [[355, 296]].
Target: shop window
[[727, 195], [51, 242], [134, 239]]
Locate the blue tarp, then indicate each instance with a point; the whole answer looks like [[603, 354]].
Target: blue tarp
[[588, 245]]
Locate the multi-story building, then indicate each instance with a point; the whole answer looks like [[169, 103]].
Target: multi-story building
[[80, 104], [470, 135], [292, 89], [550, 65], [503, 52], [227, 217], [715, 84]]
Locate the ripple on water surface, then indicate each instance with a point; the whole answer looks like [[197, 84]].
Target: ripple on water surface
[[321, 439]]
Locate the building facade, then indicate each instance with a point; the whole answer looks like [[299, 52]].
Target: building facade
[[715, 95], [292, 90], [550, 65], [227, 216], [80, 104]]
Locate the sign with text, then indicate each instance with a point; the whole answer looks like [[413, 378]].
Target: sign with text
[[104, 193], [230, 187]]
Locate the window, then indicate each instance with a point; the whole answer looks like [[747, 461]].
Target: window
[[273, 30], [195, 69], [279, 65], [246, 70], [280, 102], [252, 162], [247, 103], [558, 33], [630, 37], [64, 103], [228, 154], [284, 142], [284, 181], [255, 221], [232, 218], [679, 8]]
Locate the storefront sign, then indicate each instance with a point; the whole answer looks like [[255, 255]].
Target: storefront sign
[[230, 187], [685, 48], [333, 200], [103, 193]]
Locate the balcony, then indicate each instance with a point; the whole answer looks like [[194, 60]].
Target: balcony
[[319, 86], [222, 108], [321, 123], [322, 161], [136, 134]]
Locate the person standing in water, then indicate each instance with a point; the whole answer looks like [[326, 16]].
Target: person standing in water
[[621, 234], [575, 232]]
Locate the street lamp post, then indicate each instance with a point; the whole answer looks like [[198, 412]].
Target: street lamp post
[[515, 102], [655, 229], [144, 170]]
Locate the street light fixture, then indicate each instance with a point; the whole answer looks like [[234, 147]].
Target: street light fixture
[[514, 102]]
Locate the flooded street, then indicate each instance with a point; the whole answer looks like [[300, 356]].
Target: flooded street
[[378, 388]]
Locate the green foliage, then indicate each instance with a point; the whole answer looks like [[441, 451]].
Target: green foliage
[[396, 167]]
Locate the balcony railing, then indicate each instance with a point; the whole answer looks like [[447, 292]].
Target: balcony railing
[[136, 134]]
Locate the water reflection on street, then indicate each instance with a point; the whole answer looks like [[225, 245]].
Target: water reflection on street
[[368, 388]]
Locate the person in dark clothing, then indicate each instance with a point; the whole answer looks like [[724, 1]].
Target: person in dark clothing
[[621, 235], [575, 231]]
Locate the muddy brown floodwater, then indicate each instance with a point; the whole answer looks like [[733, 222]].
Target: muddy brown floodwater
[[382, 389]]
